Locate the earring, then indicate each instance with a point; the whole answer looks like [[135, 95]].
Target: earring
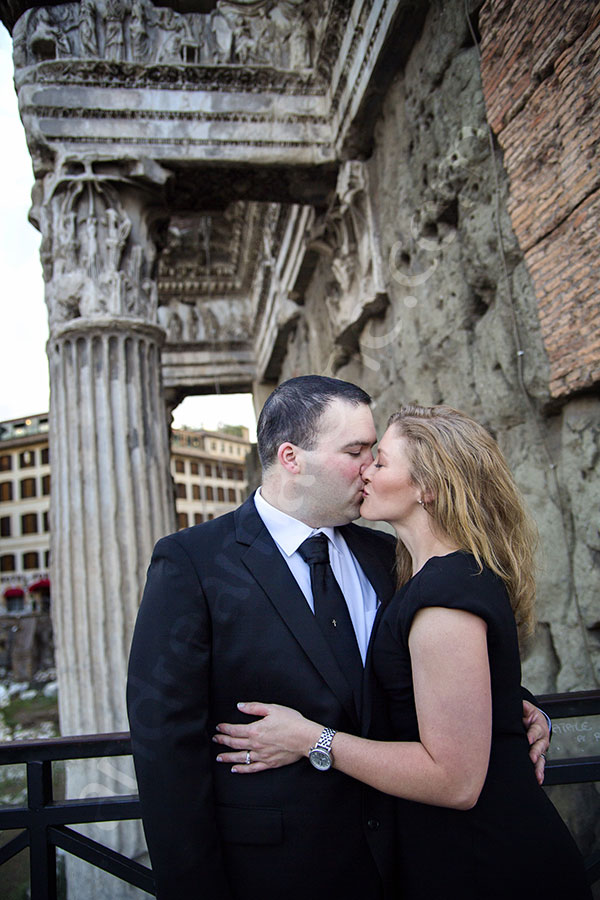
[[420, 502]]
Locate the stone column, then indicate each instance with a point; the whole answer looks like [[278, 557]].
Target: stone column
[[111, 500], [112, 494]]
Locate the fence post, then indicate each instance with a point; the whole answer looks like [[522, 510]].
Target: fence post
[[42, 854]]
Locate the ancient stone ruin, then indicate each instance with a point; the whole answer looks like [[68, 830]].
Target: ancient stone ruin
[[401, 193]]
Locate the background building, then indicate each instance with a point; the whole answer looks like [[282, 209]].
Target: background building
[[24, 514], [209, 474], [209, 471]]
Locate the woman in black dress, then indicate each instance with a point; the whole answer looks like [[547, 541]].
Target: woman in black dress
[[473, 821]]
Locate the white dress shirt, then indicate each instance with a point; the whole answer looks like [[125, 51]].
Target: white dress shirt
[[288, 533]]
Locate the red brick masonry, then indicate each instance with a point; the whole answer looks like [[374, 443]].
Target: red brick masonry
[[541, 82]]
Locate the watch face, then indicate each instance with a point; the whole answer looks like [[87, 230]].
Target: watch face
[[320, 759]]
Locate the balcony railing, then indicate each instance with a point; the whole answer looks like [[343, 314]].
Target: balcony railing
[[45, 822]]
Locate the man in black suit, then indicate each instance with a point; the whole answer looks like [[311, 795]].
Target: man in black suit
[[228, 614]]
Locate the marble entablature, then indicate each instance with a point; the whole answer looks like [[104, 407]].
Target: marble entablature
[[247, 89]]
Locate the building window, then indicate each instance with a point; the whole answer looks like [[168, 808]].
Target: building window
[[231, 495], [198, 518], [194, 468], [213, 445], [208, 469], [46, 520], [31, 560], [26, 459], [230, 473], [209, 492], [196, 492], [45, 485], [7, 563], [179, 466], [28, 488], [5, 526], [210, 516], [182, 520], [5, 462], [6, 491], [47, 558], [221, 495], [29, 523], [15, 604], [181, 491], [45, 456]]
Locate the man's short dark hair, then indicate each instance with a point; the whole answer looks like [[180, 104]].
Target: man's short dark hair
[[292, 412]]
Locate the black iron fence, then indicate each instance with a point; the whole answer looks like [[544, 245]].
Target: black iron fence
[[44, 821]]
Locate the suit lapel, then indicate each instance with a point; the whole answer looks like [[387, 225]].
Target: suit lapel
[[266, 564]]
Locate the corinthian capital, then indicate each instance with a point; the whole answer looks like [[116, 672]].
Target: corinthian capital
[[98, 248]]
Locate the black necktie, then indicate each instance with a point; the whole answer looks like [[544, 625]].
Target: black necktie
[[331, 612]]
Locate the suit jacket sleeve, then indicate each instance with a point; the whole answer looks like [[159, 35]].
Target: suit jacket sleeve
[[167, 697]]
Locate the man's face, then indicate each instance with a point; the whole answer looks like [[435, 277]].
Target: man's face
[[332, 470]]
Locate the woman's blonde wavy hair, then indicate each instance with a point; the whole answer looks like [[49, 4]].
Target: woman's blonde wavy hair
[[475, 501]]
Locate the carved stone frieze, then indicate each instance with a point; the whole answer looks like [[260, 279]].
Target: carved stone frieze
[[276, 296], [209, 323], [348, 237], [98, 249], [131, 78], [282, 34]]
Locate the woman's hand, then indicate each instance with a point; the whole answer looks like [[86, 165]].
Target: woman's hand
[[281, 737], [538, 735]]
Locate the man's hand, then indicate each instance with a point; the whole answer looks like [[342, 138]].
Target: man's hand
[[538, 735]]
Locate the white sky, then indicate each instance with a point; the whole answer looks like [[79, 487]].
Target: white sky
[[23, 321]]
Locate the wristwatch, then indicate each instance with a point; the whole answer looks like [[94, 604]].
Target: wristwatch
[[320, 755]]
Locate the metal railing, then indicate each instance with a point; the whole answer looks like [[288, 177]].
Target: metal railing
[[44, 821]]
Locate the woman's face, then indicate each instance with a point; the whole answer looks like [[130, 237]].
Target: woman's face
[[390, 494]]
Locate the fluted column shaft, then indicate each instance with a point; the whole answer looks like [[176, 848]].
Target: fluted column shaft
[[112, 495], [111, 500]]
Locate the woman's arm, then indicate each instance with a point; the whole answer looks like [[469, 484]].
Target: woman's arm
[[447, 767]]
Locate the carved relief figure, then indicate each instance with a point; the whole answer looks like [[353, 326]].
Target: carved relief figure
[[219, 38], [173, 37], [210, 322], [139, 27], [294, 33], [118, 226], [193, 325], [276, 33], [175, 332], [49, 40], [88, 37], [90, 246], [99, 263], [347, 237], [114, 34]]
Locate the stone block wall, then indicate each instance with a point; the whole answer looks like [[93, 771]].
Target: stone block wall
[[541, 79], [464, 320], [490, 290]]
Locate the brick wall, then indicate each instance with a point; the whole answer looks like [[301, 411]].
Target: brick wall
[[541, 81]]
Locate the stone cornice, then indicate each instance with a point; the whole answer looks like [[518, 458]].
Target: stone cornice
[[278, 85]]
